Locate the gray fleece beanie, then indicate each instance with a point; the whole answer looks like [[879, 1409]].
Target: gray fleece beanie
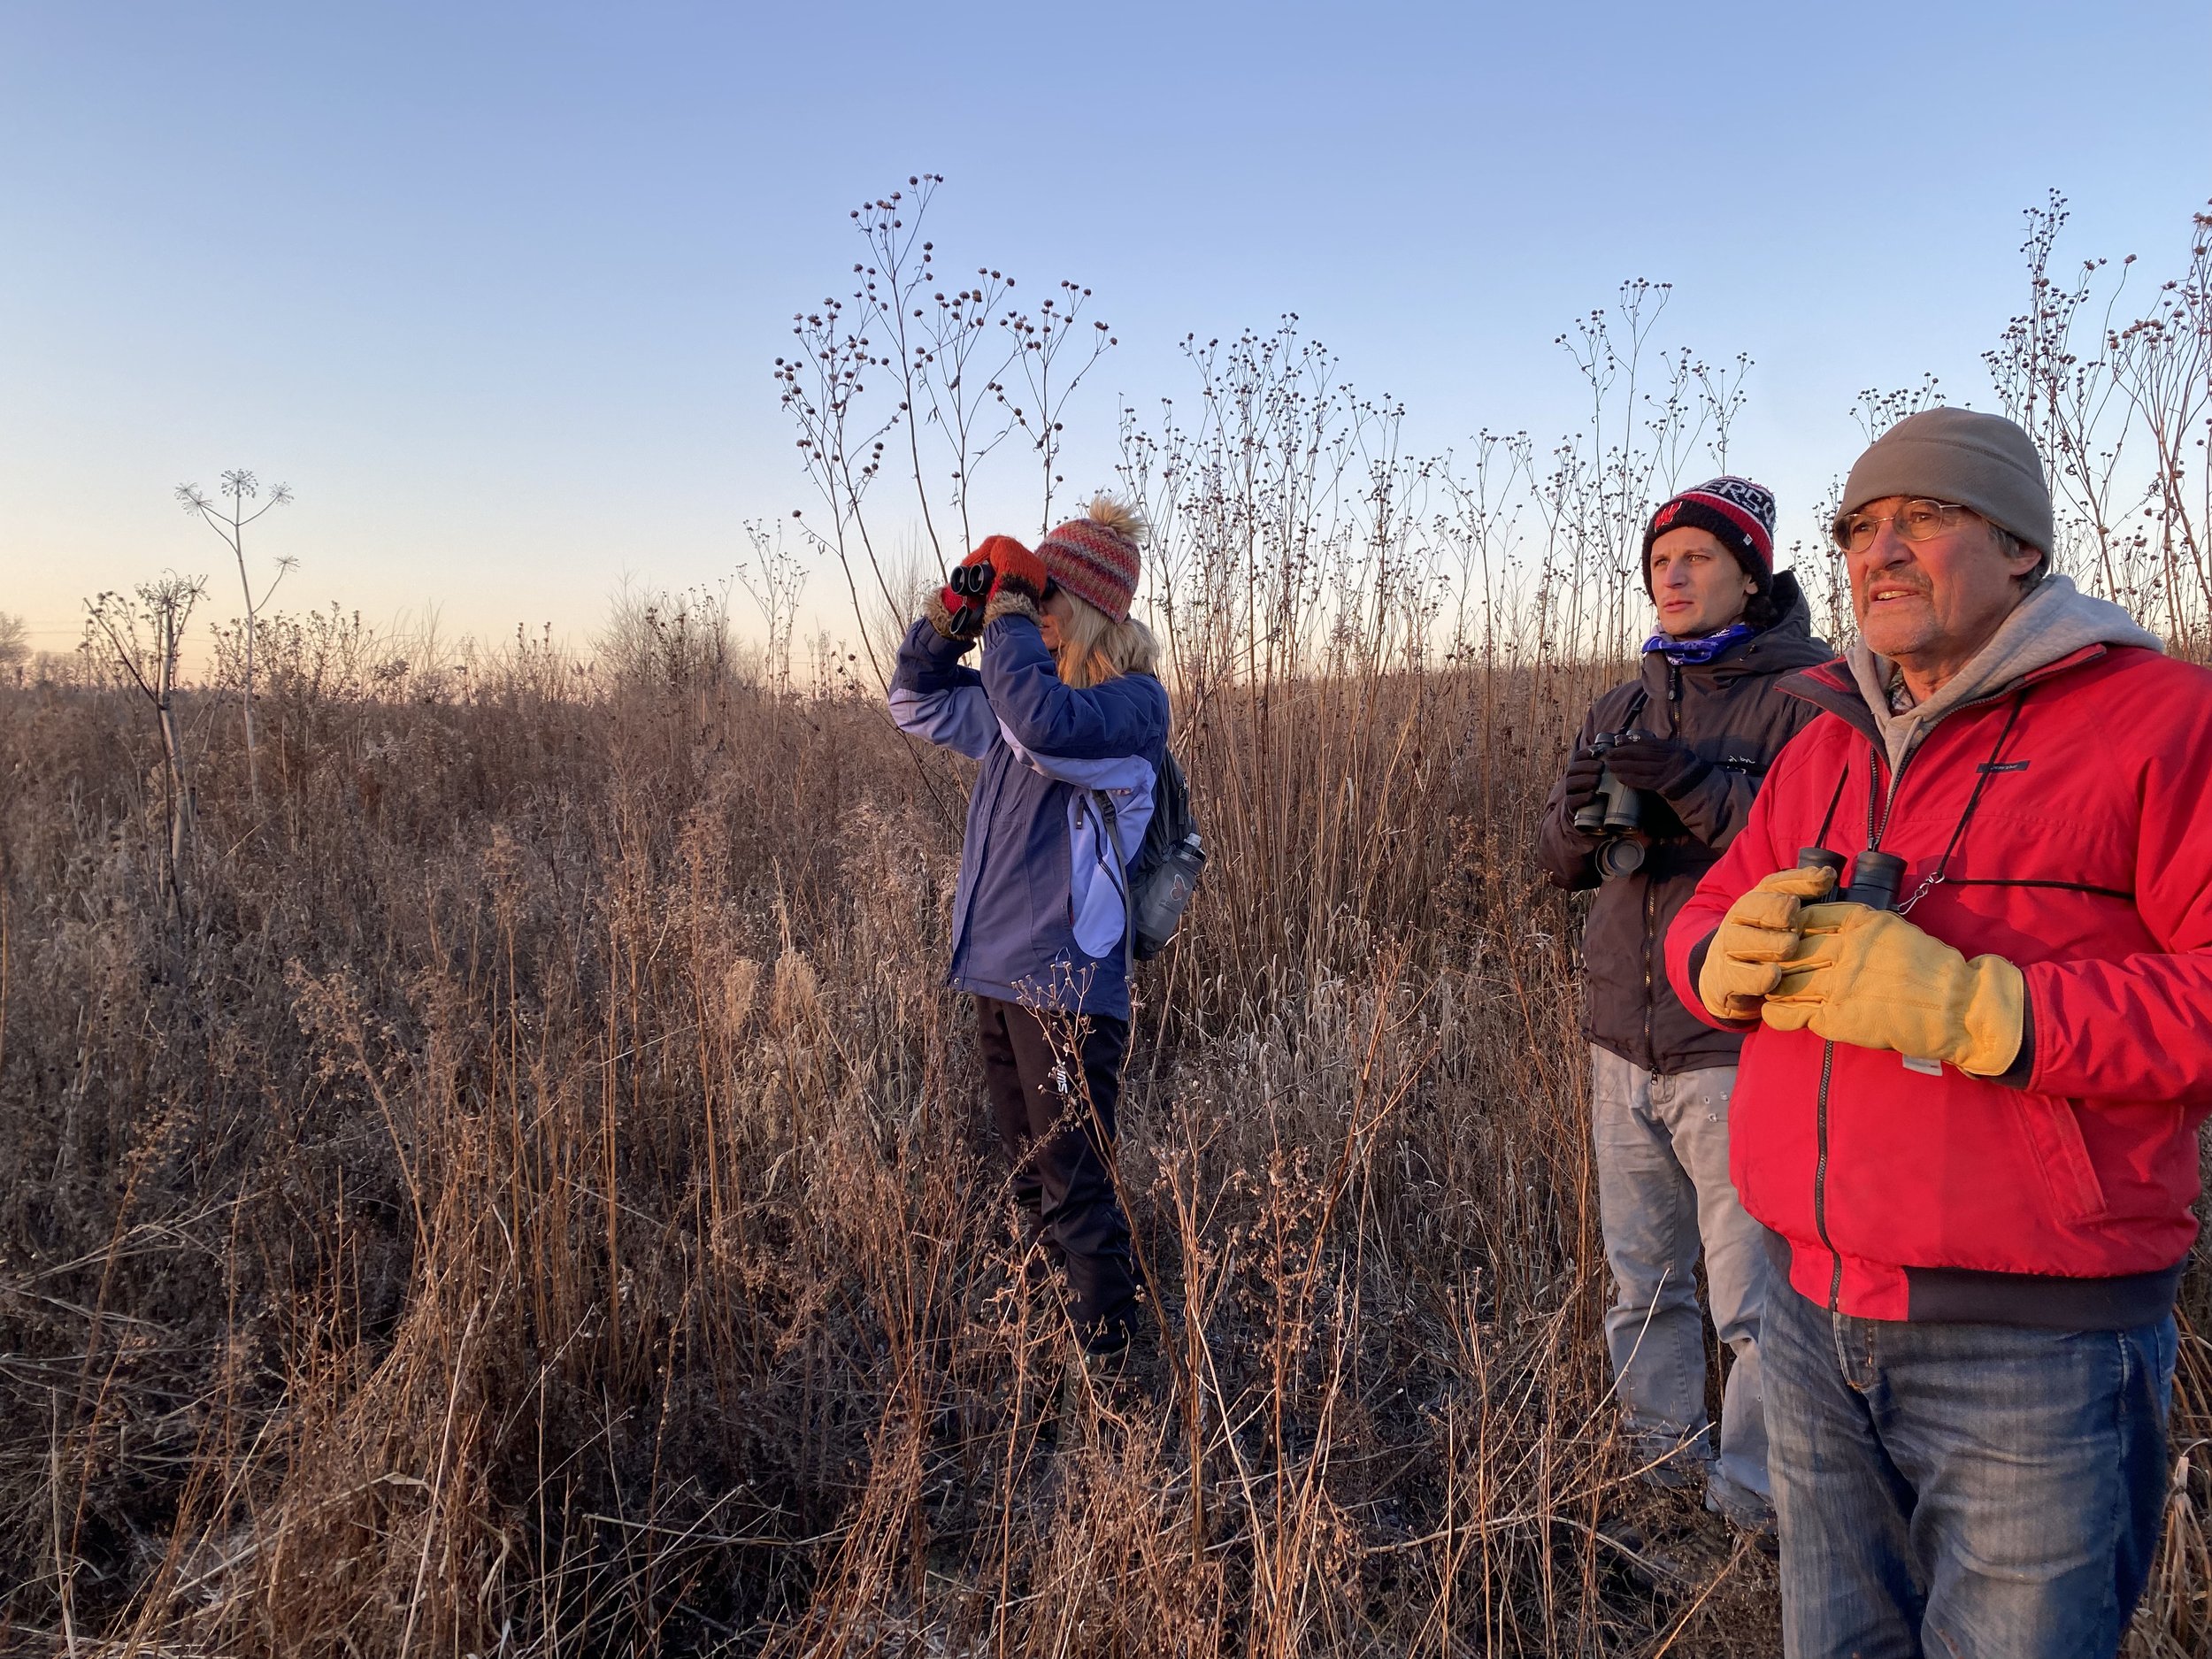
[[1980, 461]]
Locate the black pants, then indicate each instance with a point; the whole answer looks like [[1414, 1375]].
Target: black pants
[[1053, 1081]]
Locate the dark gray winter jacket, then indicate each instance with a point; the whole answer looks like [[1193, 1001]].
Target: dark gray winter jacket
[[1732, 713]]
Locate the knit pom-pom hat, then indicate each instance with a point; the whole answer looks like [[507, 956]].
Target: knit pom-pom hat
[[1095, 557]]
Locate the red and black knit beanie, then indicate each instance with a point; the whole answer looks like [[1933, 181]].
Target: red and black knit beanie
[[1095, 557], [1736, 512]]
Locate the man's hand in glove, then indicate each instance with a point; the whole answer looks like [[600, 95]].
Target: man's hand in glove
[[1744, 961], [1647, 761], [1582, 774], [1871, 979]]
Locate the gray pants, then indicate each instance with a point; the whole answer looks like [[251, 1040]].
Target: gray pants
[[1662, 1192]]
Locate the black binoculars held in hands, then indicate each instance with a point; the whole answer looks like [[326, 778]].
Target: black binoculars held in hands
[[1875, 877], [1613, 815], [973, 584]]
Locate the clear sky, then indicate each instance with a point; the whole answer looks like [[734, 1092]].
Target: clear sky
[[496, 287]]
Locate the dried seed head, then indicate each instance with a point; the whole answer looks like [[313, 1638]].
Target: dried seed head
[[741, 986], [796, 1000]]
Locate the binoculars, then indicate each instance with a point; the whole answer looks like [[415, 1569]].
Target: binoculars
[[1614, 814], [1875, 877], [973, 584]]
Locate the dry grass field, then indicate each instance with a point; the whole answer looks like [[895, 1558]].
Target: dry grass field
[[531, 1197], [505, 1177]]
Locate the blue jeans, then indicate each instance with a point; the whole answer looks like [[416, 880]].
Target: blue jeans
[[1664, 1198], [1966, 1491]]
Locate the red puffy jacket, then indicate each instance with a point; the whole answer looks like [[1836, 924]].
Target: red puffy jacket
[[2060, 1193]]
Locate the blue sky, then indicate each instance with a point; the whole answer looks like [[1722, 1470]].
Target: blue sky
[[497, 287]]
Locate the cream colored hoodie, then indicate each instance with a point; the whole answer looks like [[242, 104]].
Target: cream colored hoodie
[[2054, 621]]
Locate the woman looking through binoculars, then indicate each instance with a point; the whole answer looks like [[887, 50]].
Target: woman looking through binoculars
[[1069, 717]]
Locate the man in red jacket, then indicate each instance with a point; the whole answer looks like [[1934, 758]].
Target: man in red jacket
[[1967, 1114]]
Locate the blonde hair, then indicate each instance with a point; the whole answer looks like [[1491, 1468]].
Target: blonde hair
[[1095, 648]]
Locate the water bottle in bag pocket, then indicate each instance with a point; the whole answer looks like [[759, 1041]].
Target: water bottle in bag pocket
[[1163, 892], [1168, 864]]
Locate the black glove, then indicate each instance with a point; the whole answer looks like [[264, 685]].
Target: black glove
[[1582, 780], [1647, 761]]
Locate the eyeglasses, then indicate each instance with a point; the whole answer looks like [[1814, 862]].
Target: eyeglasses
[[1917, 520]]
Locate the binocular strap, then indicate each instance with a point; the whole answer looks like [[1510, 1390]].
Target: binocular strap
[[1878, 811]]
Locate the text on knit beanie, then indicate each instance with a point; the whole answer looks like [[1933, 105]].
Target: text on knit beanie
[[1957, 455], [1095, 557], [1735, 511]]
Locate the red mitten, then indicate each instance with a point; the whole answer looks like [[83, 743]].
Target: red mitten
[[1020, 571], [958, 611]]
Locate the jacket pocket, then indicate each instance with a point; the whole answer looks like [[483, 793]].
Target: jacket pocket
[[2054, 1134]]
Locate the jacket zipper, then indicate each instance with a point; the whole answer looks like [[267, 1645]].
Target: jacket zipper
[[960, 925], [1651, 1056], [1874, 831], [1674, 730], [1820, 1187]]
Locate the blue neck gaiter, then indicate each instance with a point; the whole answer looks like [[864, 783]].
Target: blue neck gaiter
[[1703, 649]]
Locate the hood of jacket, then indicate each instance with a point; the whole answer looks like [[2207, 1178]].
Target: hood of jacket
[[1782, 649], [2055, 620]]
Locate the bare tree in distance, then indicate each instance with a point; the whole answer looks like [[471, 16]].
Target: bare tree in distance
[[773, 578], [15, 644], [1874, 412], [142, 641], [239, 486]]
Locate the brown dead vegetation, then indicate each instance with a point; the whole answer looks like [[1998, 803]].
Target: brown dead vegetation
[[512, 1182]]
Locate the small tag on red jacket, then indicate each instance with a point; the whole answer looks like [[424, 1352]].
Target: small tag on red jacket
[[1926, 1068]]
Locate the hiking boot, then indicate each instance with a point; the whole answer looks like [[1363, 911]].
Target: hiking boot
[[1106, 1357], [1628, 1550], [1673, 1467], [1747, 1512]]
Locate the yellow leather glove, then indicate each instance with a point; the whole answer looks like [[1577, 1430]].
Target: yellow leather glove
[[1871, 979], [1744, 962]]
